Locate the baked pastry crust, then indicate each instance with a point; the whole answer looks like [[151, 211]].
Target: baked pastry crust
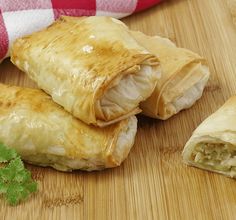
[[78, 61], [43, 133], [184, 76]]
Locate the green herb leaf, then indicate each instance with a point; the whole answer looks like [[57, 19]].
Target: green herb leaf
[[16, 165], [3, 188], [16, 183], [6, 154]]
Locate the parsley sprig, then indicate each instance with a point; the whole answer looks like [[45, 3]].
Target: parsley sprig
[[16, 183]]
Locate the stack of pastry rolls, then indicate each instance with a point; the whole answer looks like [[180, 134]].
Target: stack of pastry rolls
[[95, 75]]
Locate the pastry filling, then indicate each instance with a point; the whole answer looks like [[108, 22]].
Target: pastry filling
[[220, 156], [126, 93]]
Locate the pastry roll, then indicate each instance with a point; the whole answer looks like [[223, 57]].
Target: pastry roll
[[184, 76], [43, 133], [91, 66], [213, 144]]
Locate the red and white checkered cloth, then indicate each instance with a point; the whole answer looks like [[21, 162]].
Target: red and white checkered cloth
[[21, 17]]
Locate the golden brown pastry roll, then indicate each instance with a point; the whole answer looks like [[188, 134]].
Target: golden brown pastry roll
[[213, 144], [89, 65], [184, 76], [43, 133]]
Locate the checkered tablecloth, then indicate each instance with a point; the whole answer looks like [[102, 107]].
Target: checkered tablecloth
[[21, 17]]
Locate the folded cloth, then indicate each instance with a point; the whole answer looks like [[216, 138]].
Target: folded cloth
[[21, 17]]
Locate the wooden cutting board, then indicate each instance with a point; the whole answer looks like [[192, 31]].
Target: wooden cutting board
[[152, 183]]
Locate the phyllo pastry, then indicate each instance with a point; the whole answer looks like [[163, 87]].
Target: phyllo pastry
[[213, 144], [184, 76], [91, 66], [43, 133]]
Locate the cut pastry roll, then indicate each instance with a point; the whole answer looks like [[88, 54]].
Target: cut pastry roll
[[43, 133], [91, 66], [184, 76], [213, 144]]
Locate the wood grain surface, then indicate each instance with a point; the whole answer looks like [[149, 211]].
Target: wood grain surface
[[152, 183]]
